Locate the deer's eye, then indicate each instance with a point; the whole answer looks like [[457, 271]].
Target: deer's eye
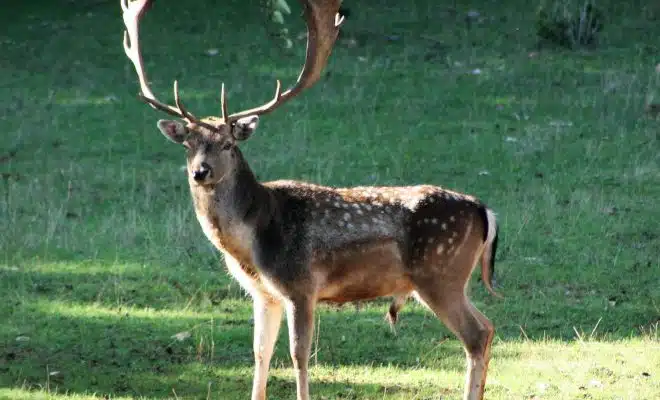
[[226, 146]]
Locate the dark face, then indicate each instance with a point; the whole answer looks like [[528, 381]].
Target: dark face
[[211, 155]]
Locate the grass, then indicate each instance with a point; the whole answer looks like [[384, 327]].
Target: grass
[[102, 262]]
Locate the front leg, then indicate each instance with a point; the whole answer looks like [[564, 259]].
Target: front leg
[[267, 319], [300, 319]]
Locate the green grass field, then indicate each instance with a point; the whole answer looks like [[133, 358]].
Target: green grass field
[[102, 262]]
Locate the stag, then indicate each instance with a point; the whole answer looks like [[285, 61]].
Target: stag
[[292, 245]]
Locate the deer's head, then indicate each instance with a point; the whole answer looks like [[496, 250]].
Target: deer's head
[[211, 153], [211, 142]]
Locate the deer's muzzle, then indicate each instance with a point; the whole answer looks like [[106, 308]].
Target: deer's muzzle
[[203, 172]]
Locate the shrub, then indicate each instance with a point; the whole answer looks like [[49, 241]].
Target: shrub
[[568, 23]]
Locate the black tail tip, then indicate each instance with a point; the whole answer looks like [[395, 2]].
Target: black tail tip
[[493, 253]]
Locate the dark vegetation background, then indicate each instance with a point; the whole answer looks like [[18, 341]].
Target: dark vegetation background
[[109, 288]]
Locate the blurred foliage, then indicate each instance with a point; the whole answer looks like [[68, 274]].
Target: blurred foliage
[[276, 11], [569, 24]]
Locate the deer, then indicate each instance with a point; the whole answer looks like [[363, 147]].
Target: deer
[[292, 245]]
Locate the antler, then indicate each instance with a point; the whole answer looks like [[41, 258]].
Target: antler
[[323, 23], [322, 29], [132, 13]]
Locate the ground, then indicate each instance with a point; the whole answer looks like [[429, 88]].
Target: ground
[[109, 288]]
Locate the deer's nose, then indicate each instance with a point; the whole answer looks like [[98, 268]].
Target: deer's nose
[[202, 172]]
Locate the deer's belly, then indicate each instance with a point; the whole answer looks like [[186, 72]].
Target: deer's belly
[[364, 272]]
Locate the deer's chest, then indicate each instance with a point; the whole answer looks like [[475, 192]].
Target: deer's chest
[[235, 243]]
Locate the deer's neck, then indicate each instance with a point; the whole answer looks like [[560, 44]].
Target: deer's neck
[[230, 211]]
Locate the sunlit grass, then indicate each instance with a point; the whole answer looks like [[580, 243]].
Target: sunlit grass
[[546, 369], [47, 394]]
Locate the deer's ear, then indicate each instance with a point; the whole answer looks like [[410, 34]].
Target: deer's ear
[[244, 127], [173, 130]]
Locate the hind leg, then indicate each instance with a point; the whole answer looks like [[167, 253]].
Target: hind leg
[[490, 328], [470, 326]]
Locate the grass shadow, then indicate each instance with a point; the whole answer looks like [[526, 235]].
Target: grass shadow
[[84, 344]]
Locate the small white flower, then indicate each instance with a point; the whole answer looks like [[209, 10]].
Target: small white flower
[[473, 14], [181, 336]]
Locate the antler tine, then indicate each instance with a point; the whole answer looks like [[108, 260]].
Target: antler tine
[[186, 114], [132, 12], [223, 103], [322, 29]]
